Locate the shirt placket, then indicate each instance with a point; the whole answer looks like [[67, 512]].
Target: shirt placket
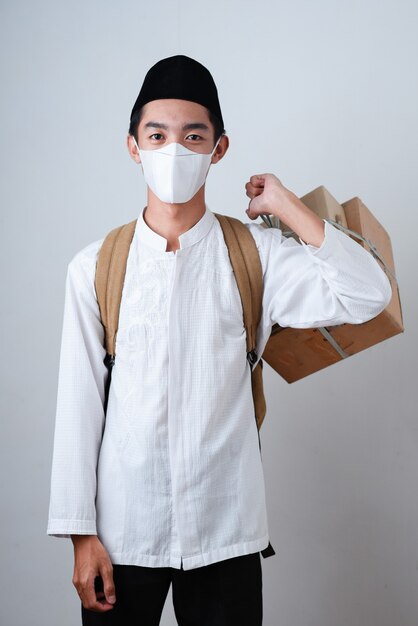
[[184, 531]]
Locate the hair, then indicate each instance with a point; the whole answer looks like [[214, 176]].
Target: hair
[[214, 119]]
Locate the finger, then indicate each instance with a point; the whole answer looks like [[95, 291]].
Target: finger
[[108, 585], [252, 216], [250, 212], [257, 180], [90, 600], [252, 191], [250, 187], [98, 606]]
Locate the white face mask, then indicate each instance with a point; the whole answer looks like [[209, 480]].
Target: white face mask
[[173, 172]]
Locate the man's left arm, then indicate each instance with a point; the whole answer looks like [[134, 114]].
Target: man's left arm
[[327, 279]]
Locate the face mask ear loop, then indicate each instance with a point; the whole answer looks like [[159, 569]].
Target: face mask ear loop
[[137, 147], [216, 145]]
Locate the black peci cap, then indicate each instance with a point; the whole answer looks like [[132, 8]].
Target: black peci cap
[[179, 77]]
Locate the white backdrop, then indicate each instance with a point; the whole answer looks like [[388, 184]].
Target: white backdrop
[[315, 92]]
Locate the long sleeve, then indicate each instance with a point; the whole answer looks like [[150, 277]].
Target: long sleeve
[[306, 286], [79, 418]]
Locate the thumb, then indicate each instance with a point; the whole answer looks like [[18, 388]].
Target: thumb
[[108, 585]]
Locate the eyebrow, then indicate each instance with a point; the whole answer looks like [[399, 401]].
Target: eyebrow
[[190, 126]]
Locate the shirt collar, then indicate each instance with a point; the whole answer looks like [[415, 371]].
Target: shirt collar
[[146, 235]]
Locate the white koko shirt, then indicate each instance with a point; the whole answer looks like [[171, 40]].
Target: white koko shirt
[[176, 475]]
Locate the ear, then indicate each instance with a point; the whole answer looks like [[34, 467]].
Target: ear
[[132, 149], [221, 149]]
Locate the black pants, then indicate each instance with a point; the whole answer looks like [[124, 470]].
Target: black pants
[[226, 593]]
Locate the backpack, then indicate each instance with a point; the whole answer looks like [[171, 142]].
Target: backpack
[[245, 261]]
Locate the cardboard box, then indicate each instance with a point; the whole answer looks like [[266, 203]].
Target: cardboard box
[[296, 353], [321, 202]]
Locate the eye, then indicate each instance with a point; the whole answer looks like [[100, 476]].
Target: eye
[[195, 136], [154, 134]]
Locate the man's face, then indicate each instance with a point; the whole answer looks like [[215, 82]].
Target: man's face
[[173, 120]]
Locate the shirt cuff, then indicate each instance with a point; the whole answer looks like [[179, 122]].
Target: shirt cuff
[[325, 249], [67, 527]]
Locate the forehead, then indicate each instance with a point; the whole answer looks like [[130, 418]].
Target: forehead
[[175, 110]]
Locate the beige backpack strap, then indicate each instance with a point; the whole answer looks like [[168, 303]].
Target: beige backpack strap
[[246, 264], [245, 261], [110, 276]]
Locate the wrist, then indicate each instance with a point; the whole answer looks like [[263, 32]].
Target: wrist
[[282, 203], [77, 539]]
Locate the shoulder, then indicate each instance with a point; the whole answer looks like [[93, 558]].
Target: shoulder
[[260, 234], [82, 266], [266, 238]]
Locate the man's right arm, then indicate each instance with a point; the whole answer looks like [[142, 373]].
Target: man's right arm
[[78, 434], [80, 416]]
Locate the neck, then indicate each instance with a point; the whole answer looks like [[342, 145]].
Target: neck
[[171, 220]]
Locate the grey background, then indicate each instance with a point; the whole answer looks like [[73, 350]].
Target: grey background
[[315, 92]]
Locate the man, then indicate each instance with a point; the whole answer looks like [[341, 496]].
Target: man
[[168, 486]]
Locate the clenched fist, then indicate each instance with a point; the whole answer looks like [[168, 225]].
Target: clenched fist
[[267, 195]]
